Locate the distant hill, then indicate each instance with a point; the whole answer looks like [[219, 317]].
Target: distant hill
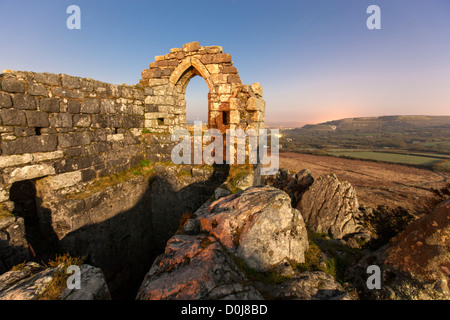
[[401, 133], [284, 124], [382, 124]]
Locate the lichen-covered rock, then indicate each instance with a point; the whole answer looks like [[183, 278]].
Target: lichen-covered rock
[[308, 285], [31, 280], [415, 265], [259, 226], [193, 268], [13, 244], [28, 283], [330, 206], [295, 185]]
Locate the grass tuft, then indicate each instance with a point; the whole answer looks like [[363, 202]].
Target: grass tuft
[[59, 281]]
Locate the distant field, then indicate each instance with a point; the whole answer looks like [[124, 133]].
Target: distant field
[[376, 183], [426, 161]]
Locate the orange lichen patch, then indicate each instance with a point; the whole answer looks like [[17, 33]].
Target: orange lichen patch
[[424, 247]]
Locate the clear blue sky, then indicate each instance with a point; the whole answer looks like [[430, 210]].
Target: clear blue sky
[[315, 59]]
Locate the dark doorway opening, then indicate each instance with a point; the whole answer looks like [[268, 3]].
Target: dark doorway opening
[[26, 205]]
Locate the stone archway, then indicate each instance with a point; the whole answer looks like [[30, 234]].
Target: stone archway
[[231, 105]]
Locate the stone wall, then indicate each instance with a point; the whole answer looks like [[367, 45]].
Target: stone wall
[[78, 129], [74, 129]]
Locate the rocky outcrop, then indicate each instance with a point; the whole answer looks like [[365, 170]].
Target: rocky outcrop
[[195, 267], [31, 281], [28, 283], [295, 185], [259, 226], [13, 244], [415, 265], [308, 285], [254, 231], [330, 206]]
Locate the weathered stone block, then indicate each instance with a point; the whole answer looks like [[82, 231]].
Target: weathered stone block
[[88, 175], [45, 156], [13, 117], [81, 120], [167, 71], [86, 85], [151, 108], [160, 100], [191, 46], [5, 100], [14, 85], [61, 120], [90, 105], [219, 78], [70, 81], [74, 152], [224, 88], [113, 90], [73, 106], [133, 121], [22, 101], [31, 144], [37, 119], [24, 131], [49, 105], [127, 92], [73, 164], [30, 172], [257, 89], [256, 104], [234, 78], [213, 68], [74, 139], [72, 94], [107, 106], [37, 89], [15, 160], [154, 73], [98, 147], [256, 116], [47, 78], [214, 49], [157, 82], [235, 117], [63, 180], [216, 58], [146, 74], [229, 69], [100, 121], [115, 120]]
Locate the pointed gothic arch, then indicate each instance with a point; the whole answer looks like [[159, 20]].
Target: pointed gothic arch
[[231, 104]]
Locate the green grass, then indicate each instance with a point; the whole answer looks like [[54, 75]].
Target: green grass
[[426, 161], [264, 277], [237, 172]]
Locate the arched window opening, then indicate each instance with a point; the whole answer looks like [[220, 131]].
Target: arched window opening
[[197, 101]]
